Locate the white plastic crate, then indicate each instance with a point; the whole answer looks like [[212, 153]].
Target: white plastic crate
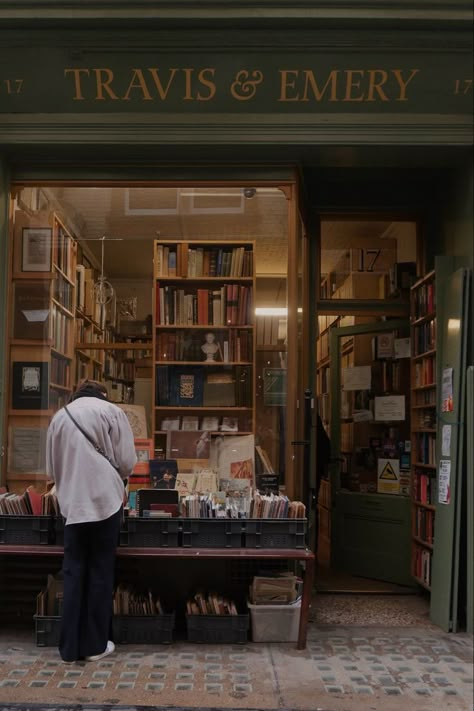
[[275, 623]]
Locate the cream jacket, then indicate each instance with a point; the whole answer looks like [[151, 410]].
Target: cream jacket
[[88, 487]]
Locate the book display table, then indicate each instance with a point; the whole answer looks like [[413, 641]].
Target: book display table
[[304, 555]]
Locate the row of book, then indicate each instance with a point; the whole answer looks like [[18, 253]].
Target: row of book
[[60, 369], [230, 305], [60, 330], [63, 292], [233, 346], [30, 503], [425, 448], [425, 371], [127, 600], [426, 488], [424, 525], [424, 300], [422, 565], [63, 246], [208, 423], [190, 387], [210, 604], [275, 506], [185, 261], [425, 337]]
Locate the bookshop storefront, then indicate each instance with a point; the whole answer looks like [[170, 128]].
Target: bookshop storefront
[[223, 226]]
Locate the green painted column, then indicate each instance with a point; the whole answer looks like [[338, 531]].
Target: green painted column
[[4, 261]]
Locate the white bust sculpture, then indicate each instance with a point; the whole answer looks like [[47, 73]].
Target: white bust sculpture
[[210, 347]]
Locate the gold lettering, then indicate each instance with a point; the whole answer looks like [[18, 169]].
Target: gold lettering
[[77, 82], [403, 84], [103, 78], [188, 96], [352, 84], [140, 84], [208, 83], [319, 94], [162, 91], [285, 84], [375, 85]]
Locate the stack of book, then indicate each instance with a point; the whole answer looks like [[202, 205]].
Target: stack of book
[[30, 503], [275, 506], [212, 604], [277, 589], [129, 601]]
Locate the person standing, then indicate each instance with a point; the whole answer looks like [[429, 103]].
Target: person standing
[[89, 453]]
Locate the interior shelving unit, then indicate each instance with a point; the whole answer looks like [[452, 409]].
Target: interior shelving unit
[[203, 287], [423, 422]]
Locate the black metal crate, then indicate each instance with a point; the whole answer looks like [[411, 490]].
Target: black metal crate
[[211, 533], [143, 629], [150, 533], [217, 629], [25, 530], [47, 630], [275, 533], [58, 531]]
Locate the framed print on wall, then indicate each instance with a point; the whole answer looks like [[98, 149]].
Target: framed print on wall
[[36, 252], [30, 385]]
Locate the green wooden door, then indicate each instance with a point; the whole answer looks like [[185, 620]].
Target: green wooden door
[[370, 529]]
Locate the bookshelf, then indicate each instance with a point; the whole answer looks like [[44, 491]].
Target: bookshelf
[[423, 425], [203, 338], [41, 340]]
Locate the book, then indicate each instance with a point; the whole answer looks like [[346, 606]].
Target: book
[[206, 481], [190, 422], [185, 483], [234, 457], [146, 497], [163, 473], [210, 423], [230, 424], [182, 444], [186, 386]]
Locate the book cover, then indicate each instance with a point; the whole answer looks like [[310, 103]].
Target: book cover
[[186, 385], [185, 483], [144, 452], [163, 473], [234, 457], [182, 444], [136, 415]]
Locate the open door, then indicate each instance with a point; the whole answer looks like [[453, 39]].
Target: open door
[[370, 422]]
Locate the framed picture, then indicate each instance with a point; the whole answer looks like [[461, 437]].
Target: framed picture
[[30, 385], [36, 252], [31, 314], [144, 452], [188, 444]]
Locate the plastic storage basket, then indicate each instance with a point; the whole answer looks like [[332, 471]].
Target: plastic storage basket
[[143, 629], [47, 630], [26, 530], [275, 623], [212, 533], [218, 629], [150, 533], [275, 533]]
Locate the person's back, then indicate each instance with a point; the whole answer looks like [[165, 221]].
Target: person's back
[[88, 486]]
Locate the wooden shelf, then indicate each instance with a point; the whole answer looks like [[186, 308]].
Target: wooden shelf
[[207, 326], [422, 583], [423, 319], [200, 408], [423, 407], [429, 507], [199, 280], [424, 466], [63, 388], [426, 354], [419, 388]]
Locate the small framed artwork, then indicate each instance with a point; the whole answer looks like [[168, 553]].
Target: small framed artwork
[[30, 385], [36, 252], [144, 452]]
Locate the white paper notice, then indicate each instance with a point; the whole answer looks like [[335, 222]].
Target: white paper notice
[[357, 378], [446, 441], [390, 407], [444, 482], [402, 348]]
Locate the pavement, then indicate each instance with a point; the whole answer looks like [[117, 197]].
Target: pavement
[[364, 653]]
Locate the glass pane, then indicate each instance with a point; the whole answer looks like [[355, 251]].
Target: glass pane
[[374, 412], [85, 304], [367, 259]]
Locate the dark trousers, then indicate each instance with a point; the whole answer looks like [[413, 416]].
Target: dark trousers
[[88, 570]]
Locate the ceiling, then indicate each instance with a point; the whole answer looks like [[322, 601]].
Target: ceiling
[[126, 221]]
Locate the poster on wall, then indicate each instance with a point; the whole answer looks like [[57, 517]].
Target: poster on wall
[[30, 385], [444, 481]]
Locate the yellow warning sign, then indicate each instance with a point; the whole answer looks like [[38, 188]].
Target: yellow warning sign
[[388, 476], [388, 473]]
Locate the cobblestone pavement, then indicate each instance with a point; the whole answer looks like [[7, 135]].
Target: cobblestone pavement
[[342, 669]]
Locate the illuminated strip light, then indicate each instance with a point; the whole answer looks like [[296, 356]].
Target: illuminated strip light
[[273, 311]]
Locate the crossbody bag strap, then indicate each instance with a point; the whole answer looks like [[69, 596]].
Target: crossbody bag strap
[[89, 438]]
